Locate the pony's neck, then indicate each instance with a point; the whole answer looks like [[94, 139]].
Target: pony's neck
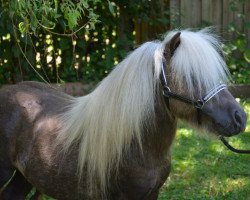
[[157, 140]]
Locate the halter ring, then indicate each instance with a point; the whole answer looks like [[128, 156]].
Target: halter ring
[[199, 104]]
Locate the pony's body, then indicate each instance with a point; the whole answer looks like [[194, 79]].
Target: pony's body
[[35, 106], [115, 142]]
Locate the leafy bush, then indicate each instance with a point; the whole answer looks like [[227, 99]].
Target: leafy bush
[[63, 41], [237, 51], [57, 41], [36, 15]]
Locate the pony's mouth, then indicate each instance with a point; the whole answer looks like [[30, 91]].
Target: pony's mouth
[[227, 130]]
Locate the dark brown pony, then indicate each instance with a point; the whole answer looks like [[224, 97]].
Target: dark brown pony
[[115, 142]]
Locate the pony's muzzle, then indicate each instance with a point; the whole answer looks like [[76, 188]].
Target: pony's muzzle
[[239, 119], [237, 124]]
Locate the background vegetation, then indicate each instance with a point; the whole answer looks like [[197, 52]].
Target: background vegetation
[[57, 41], [82, 40], [237, 48]]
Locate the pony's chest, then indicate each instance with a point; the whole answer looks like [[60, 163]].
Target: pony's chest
[[142, 183]]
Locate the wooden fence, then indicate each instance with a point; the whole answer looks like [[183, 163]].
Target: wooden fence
[[218, 13], [196, 14], [79, 89]]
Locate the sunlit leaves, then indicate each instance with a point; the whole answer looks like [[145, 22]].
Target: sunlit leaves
[[236, 50], [46, 14], [111, 7], [247, 55]]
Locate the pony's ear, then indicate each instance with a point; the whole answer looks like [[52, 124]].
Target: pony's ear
[[172, 45]]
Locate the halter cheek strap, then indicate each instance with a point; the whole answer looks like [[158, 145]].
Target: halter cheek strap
[[198, 104]]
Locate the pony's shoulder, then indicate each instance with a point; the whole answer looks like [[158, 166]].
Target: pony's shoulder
[[35, 96]]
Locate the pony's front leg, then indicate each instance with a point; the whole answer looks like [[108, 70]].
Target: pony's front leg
[[153, 195]]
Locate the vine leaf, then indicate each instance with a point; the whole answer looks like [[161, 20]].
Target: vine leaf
[[22, 27], [111, 7], [247, 55]]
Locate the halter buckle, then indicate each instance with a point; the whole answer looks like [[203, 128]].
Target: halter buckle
[[166, 91], [199, 104]]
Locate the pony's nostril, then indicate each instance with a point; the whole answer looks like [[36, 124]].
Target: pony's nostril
[[238, 118], [239, 121]]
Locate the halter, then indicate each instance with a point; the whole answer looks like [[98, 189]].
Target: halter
[[197, 104]]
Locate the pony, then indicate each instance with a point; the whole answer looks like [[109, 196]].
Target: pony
[[115, 143]]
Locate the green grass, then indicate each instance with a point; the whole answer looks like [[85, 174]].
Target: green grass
[[203, 168]]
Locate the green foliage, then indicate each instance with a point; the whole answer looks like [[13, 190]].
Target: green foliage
[[65, 41], [62, 41], [236, 51], [36, 15]]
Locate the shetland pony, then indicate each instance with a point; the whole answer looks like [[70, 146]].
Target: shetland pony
[[114, 143]]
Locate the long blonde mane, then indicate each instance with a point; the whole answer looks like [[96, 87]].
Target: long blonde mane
[[105, 122]]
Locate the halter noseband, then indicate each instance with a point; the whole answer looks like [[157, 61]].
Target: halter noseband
[[198, 104]]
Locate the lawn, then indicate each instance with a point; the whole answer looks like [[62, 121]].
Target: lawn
[[203, 168]]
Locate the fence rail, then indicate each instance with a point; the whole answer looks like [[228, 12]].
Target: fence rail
[[240, 91], [80, 89]]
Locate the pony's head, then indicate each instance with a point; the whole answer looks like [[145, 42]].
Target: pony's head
[[195, 70]]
